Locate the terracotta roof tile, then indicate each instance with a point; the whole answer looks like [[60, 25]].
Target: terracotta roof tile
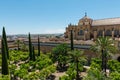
[[109, 21]]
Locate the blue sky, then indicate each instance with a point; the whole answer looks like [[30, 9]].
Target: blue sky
[[51, 16]]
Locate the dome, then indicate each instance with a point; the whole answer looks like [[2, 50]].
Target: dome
[[85, 19]]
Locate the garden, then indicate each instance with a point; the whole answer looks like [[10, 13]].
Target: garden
[[32, 64]]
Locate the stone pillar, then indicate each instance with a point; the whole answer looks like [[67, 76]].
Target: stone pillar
[[85, 35], [113, 34], [119, 33], [69, 35], [95, 35], [77, 34], [103, 33], [73, 34]]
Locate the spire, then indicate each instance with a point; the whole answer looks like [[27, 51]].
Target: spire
[[86, 17]]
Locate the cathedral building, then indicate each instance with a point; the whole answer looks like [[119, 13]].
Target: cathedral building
[[88, 28]]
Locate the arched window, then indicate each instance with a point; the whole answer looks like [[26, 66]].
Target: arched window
[[81, 32], [100, 32], [108, 33]]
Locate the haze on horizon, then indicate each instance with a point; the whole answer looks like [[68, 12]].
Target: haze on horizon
[[51, 16]]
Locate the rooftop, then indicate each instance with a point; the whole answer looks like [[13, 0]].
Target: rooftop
[[108, 21]]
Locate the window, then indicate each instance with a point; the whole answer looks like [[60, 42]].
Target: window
[[81, 23], [81, 32], [108, 33], [100, 32], [86, 23], [116, 32]]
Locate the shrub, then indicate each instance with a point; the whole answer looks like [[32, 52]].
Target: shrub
[[114, 65], [115, 76]]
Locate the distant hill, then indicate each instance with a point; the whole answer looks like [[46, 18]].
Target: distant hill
[[36, 35]]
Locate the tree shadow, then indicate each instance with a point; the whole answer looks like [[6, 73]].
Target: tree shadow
[[63, 69], [118, 58], [51, 77]]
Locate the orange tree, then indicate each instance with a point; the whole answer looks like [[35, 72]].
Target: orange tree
[[77, 58], [60, 55]]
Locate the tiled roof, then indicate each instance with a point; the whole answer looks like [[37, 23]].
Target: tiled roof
[[109, 21]]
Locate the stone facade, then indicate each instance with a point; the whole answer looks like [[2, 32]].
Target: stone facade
[[88, 28]]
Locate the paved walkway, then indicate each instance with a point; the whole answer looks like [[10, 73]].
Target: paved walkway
[[58, 74]]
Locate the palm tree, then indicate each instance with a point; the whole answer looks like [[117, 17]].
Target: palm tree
[[18, 42], [105, 46], [24, 47], [76, 56]]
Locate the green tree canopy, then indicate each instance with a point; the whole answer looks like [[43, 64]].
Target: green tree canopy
[[77, 58], [60, 54]]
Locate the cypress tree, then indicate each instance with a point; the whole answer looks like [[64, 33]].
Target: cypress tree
[[71, 38], [33, 54], [4, 58], [30, 47], [38, 46], [5, 40]]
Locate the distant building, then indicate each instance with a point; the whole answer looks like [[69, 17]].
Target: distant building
[[88, 28]]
